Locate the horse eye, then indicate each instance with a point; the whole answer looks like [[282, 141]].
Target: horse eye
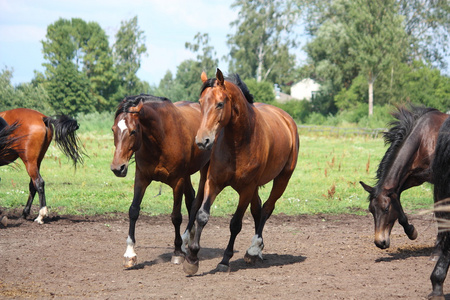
[[220, 105], [133, 132]]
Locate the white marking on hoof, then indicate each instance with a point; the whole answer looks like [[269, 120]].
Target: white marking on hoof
[[129, 253], [4, 221], [122, 125], [256, 247], [43, 212]]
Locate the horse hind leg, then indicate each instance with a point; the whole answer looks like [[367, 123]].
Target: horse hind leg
[[254, 253], [27, 209], [43, 211]]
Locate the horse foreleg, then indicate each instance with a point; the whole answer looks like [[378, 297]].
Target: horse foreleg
[[279, 186], [440, 270], [409, 229], [191, 262], [235, 228], [189, 233], [180, 187], [130, 257]]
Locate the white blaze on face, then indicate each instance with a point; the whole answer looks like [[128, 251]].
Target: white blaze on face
[[122, 125], [130, 247]]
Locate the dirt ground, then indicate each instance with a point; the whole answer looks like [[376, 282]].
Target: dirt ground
[[305, 257]]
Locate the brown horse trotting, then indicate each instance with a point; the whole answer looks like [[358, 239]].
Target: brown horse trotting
[[406, 164], [252, 144], [34, 134], [161, 136]]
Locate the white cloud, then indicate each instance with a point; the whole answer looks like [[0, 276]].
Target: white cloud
[[21, 33]]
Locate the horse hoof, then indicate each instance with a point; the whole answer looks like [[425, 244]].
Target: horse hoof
[[252, 259], [189, 268], [4, 221], [223, 268], [436, 297], [39, 221], [177, 260], [129, 262], [413, 235]]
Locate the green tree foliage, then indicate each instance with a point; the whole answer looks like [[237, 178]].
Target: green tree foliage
[[83, 48], [69, 90], [128, 51], [427, 23], [28, 95], [260, 47], [261, 91]]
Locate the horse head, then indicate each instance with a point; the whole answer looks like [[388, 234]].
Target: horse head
[[383, 207], [215, 105], [127, 138]]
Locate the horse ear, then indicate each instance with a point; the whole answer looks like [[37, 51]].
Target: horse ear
[[366, 187], [204, 77], [219, 77], [137, 108]]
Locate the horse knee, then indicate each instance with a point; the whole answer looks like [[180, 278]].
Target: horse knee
[[202, 217], [177, 219]]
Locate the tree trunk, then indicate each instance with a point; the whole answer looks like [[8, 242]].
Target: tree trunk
[[259, 70], [371, 80]]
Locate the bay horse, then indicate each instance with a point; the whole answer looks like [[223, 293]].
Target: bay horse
[[252, 144], [161, 135], [406, 163], [33, 134], [441, 178]]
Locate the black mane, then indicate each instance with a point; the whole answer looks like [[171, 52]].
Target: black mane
[[132, 101], [400, 129], [233, 78]]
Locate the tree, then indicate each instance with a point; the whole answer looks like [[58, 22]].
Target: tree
[[128, 51], [260, 46], [85, 46], [69, 90]]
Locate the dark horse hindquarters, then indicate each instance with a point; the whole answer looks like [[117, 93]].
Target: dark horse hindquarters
[[441, 178]]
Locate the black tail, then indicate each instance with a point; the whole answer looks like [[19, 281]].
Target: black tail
[[440, 167], [66, 138], [7, 141]]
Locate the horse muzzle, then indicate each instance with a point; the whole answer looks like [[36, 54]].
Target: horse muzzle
[[119, 170], [204, 144]]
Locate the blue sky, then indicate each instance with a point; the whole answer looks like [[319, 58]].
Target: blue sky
[[167, 25]]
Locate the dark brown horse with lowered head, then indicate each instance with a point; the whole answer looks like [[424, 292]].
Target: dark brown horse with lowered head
[[161, 135], [405, 164], [252, 144], [33, 135], [440, 169]]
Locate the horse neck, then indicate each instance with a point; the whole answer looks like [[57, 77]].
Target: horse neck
[[243, 113], [401, 167], [154, 122]]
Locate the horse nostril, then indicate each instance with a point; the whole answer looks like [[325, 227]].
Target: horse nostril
[[206, 142], [122, 167]]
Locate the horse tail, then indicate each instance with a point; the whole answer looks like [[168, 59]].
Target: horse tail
[[7, 141], [440, 168], [64, 128]]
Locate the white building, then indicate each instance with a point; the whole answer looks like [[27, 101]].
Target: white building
[[305, 89]]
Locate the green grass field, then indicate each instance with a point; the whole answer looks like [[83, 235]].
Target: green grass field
[[326, 180]]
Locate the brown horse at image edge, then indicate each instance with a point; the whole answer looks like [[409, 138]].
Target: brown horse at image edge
[[33, 136], [252, 144], [160, 134]]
